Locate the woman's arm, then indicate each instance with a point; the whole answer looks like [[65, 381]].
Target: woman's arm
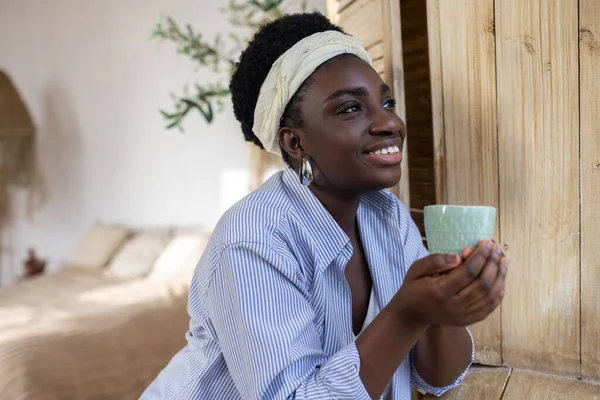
[[383, 345], [443, 354]]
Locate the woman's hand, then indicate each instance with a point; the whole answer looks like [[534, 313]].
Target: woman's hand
[[468, 293]]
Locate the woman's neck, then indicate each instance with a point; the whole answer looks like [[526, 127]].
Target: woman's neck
[[342, 208]]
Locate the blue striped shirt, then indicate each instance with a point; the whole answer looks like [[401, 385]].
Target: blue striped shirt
[[270, 307]]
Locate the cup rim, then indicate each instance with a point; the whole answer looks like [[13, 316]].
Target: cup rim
[[458, 206]]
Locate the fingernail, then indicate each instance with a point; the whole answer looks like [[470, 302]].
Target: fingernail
[[451, 258], [505, 263], [498, 249]]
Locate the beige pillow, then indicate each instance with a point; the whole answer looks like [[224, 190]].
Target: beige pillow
[[137, 256], [180, 256], [98, 245]]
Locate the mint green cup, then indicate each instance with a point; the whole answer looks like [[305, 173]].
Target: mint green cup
[[449, 229]]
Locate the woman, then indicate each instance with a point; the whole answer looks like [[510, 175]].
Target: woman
[[317, 285]]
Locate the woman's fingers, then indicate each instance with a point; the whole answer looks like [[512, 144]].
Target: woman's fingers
[[485, 281], [489, 302], [467, 251], [470, 270]]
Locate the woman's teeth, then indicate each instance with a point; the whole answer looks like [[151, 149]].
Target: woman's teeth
[[388, 150]]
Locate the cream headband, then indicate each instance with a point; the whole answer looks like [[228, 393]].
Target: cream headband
[[288, 73]]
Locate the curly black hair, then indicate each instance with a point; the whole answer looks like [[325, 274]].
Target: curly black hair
[[270, 42]]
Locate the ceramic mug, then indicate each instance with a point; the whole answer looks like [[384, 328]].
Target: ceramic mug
[[449, 229]]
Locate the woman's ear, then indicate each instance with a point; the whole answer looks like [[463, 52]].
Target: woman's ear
[[291, 142]]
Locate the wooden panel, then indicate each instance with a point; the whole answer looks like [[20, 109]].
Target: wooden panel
[[362, 19], [539, 182], [379, 66], [418, 217], [437, 102], [480, 383], [470, 127], [335, 7], [589, 64], [418, 105], [376, 51], [394, 76], [529, 385], [344, 3]]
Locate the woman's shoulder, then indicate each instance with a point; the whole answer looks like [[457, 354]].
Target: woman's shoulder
[[255, 218]]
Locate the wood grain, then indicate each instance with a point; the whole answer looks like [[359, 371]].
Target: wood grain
[[470, 135], [362, 19], [589, 86], [418, 104], [379, 66], [437, 102], [530, 385], [479, 383], [539, 182], [376, 51], [345, 3]]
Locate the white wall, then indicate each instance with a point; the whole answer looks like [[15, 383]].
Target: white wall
[[94, 83]]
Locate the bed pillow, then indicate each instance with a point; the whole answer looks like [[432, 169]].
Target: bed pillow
[[98, 246], [180, 257], [137, 256]]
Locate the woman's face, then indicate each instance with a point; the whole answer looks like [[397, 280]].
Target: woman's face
[[350, 130]]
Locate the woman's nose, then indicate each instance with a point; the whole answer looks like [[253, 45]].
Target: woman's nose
[[385, 122]]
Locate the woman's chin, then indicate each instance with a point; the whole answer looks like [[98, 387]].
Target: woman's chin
[[387, 179]]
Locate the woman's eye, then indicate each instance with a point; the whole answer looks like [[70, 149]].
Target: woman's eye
[[391, 103], [352, 108]]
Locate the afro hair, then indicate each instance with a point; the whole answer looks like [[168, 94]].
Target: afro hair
[[270, 42]]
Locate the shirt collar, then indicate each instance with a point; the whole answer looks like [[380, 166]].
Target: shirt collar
[[330, 240]]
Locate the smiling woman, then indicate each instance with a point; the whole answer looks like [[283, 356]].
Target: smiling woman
[[317, 285]]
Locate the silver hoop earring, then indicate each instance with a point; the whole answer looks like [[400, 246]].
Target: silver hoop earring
[[306, 172]]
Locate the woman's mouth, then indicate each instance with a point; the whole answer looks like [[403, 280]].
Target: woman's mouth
[[386, 156]]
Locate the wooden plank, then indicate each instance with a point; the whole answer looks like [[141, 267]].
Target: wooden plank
[[437, 102], [379, 66], [418, 108], [531, 385], [376, 51], [394, 76], [539, 182], [480, 383], [589, 86], [335, 7], [343, 4], [470, 127], [362, 19]]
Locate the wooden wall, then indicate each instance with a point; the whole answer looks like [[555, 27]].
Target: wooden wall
[[510, 117], [418, 108], [468, 98], [517, 121], [589, 123]]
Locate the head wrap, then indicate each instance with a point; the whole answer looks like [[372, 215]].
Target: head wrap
[[288, 73]]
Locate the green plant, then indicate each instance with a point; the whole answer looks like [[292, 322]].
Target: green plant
[[220, 56]]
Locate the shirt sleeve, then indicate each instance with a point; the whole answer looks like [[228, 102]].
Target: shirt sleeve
[[419, 383], [265, 326]]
